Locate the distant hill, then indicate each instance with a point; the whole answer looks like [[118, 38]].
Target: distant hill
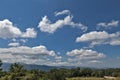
[[40, 67], [6, 67]]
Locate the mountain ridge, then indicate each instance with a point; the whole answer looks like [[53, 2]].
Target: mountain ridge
[[6, 67]]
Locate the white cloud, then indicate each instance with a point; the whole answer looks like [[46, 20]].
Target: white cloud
[[83, 57], [14, 44], [80, 54], [46, 25], [39, 55], [62, 12], [93, 36], [23, 40], [115, 42], [14, 40], [25, 54], [94, 62], [100, 38], [42, 50], [20, 41], [30, 33], [111, 24], [58, 58], [8, 30]]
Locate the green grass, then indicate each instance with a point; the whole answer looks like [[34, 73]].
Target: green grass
[[89, 78]]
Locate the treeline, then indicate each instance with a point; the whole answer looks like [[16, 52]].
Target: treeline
[[18, 72]]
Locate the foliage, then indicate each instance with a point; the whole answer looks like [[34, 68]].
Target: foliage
[[18, 72]]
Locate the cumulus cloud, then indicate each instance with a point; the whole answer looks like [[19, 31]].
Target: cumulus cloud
[[95, 62], [47, 25], [67, 12], [83, 57], [100, 38], [87, 54], [14, 40], [92, 36], [58, 58], [17, 40], [111, 24], [8, 30], [26, 54], [23, 40], [39, 55], [42, 50], [14, 44], [30, 33]]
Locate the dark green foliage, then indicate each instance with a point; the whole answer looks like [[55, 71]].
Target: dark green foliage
[[17, 72], [0, 65], [0, 68], [56, 74], [16, 68]]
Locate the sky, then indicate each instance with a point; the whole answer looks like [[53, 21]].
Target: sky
[[81, 33]]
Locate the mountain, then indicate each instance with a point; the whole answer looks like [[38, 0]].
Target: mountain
[[40, 67], [6, 67]]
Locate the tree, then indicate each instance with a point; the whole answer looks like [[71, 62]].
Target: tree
[[0, 65], [17, 71], [1, 73], [16, 67], [56, 74]]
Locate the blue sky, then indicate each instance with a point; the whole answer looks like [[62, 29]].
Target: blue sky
[[60, 32]]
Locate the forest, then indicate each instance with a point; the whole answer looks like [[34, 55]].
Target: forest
[[18, 72]]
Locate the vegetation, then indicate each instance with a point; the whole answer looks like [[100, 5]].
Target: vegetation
[[90, 78], [18, 72]]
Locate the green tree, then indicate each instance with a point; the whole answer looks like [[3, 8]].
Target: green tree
[[56, 74], [16, 67], [1, 73], [0, 65], [17, 71]]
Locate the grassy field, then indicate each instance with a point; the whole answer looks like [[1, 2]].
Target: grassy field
[[90, 78]]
